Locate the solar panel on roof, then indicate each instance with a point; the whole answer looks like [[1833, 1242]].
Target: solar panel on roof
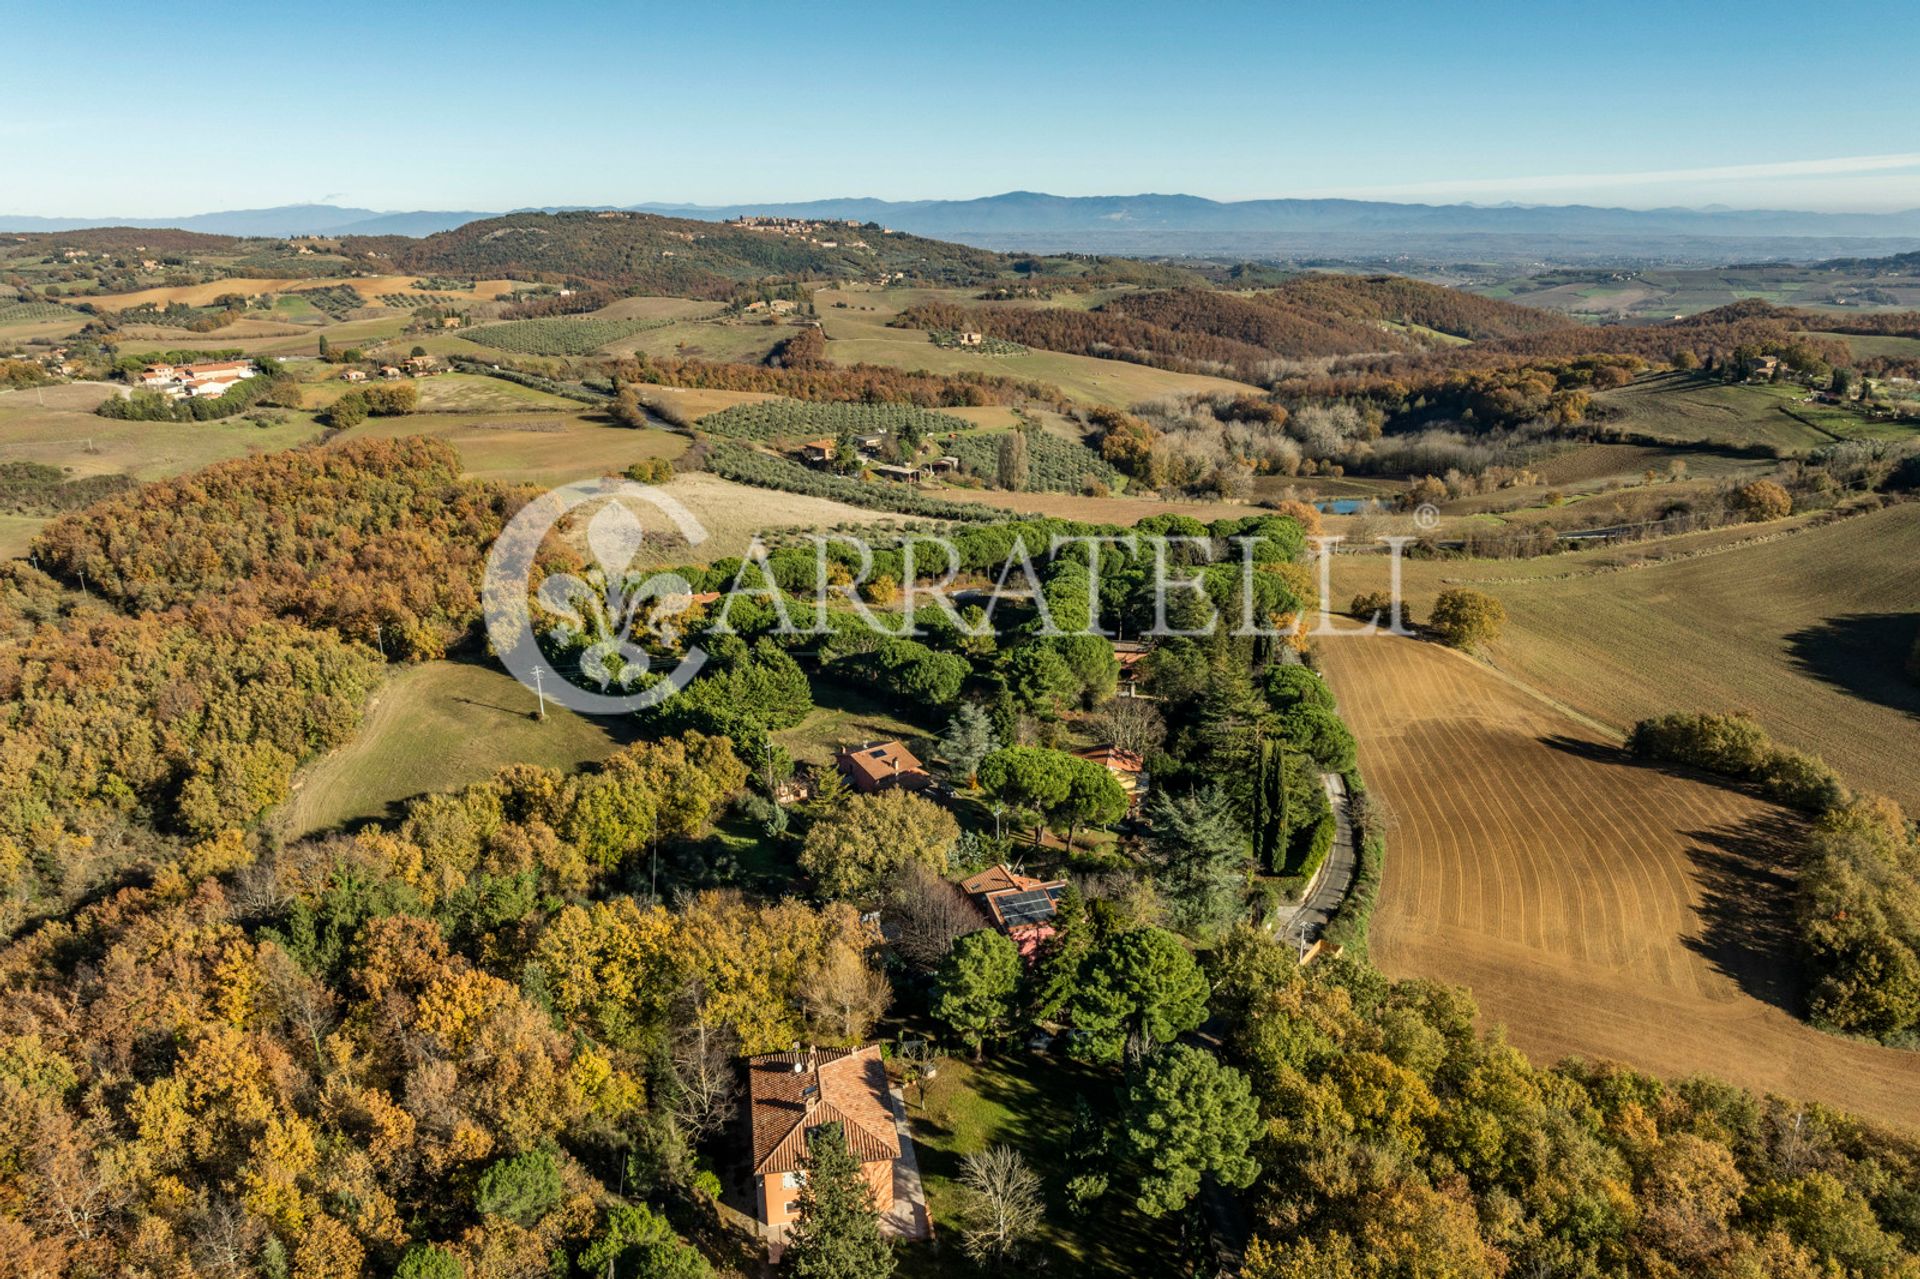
[[1025, 908]]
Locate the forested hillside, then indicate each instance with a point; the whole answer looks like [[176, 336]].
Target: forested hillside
[[686, 258]]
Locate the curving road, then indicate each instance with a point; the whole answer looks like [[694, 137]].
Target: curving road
[[1335, 876]]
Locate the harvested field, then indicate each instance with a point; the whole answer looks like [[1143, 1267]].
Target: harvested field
[[694, 404], [471, 393], [367, 287], [1804, 627], [652, 308], [1596, 908], [531, 447]]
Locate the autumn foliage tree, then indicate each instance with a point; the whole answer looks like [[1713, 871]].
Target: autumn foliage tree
[[1763, 500], [381, 540], [1466, 619], [852, 852]]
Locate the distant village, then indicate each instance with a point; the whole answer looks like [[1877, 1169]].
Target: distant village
[[805, 229]]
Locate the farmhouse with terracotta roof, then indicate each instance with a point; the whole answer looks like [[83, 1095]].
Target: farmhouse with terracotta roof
[[883, 767], [211, 377], [1022, 907], [1127, 767], [793, 1094]]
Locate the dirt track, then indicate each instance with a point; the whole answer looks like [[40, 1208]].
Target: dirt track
[[1596, 908]]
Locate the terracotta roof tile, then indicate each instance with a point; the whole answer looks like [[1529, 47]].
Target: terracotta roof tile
[[851, 1089]]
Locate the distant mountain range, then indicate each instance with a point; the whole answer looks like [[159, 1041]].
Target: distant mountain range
[[280, 221], [1181, 224]]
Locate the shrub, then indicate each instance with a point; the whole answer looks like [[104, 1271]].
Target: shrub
[[1731, 745], [1467, 619], [1348, 927], [1377, 606], [1763, 500], [1735, 746], [350, 409], [396, 399]]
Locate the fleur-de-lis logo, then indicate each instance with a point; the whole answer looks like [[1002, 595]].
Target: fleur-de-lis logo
[[601, 614]]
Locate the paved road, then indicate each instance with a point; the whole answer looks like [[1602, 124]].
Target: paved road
[[1330, 885]]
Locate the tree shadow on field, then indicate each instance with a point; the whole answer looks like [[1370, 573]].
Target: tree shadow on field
[[1747, 881], [1864, 654], [1746, 874]]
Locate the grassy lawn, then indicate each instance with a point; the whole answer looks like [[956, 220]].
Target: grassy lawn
[[291, 306], [738, 852], [746, 340], [472, 393], [1689, 410], [16, 531], [438, 726], [56, 425], [1025, 1101], [845, 716]]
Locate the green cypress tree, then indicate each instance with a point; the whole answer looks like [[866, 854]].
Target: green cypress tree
[[837, 1235]]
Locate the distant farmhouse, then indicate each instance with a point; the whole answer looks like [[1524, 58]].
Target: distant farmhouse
[[182, 381]]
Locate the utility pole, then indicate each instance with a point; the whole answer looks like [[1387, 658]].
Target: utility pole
[[540, 691]]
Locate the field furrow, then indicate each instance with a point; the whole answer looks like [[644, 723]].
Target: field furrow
[[1595, 907]]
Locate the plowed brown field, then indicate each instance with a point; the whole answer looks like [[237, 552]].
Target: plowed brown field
[[1596, 908]]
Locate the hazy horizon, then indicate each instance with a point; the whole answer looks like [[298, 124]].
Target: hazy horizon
[[668, 202]]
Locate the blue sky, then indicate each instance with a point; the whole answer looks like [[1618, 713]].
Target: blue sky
[[484, 105]]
